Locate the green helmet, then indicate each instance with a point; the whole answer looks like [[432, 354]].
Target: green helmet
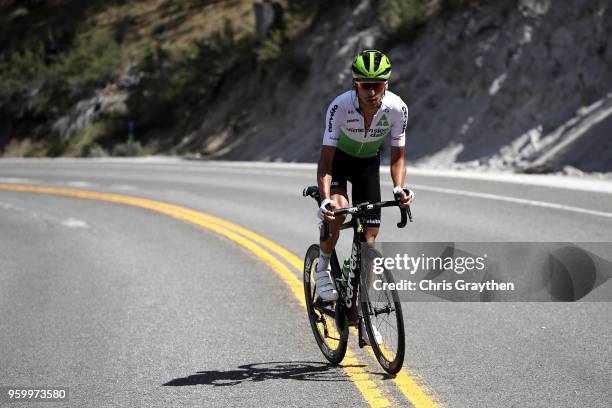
[[371, 64]]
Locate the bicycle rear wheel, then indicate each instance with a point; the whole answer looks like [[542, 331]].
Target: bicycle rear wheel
[[382, 314], [331, 340]]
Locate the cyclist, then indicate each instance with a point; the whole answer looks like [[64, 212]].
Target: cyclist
[[356, 126]]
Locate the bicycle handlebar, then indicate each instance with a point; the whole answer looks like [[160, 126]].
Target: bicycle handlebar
[[360, 209], [367, 207]]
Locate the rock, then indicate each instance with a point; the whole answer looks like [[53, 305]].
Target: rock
[[572, 171], [86, 112], [534, 8], [19, 13], [264, 17]]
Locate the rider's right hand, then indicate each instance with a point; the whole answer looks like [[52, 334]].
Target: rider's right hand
[[325, 212]]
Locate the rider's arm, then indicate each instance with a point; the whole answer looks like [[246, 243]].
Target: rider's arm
[[328, 149], [398, 160], [398, 141], [324, 171], [398, 166]]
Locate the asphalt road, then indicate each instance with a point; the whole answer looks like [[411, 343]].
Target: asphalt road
[[129, 307]]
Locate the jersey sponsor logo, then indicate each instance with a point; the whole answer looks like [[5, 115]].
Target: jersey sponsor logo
[[332, 113], [376, 132], [352, 120], [405, 122], [371, 132], [383, 121]]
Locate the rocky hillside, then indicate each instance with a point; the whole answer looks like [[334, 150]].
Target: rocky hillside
[[524, 85], [514, 84]]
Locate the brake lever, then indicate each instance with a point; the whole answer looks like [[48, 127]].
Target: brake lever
[[408, 208], [402, 223], [404, 212]]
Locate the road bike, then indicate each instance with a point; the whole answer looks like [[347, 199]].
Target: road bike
[[363, 302]]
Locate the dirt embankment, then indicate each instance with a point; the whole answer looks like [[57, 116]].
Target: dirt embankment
[[519, 85], [501, 85]]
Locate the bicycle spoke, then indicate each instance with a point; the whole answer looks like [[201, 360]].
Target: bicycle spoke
[[382, 313]]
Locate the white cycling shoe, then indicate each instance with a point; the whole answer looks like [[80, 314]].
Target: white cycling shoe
[[377, 336], [325, 285]]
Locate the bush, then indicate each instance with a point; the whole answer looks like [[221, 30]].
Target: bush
[[128, 149], [80, 145], [95, 59], [24, 69], [401, 18], [158, 29], [93, 150], [176, 82], [271, 49], [29, 84], [122, 25]]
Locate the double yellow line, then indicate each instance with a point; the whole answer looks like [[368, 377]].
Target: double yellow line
[[372, 389]]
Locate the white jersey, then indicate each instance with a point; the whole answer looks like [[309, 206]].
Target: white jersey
[[344, 125]]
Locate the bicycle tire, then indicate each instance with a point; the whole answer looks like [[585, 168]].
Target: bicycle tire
[[384, 303], [331, 341]]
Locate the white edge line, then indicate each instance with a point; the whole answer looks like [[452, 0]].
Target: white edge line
[[551, 180], [545, 180], [514, 200], [599, 186]]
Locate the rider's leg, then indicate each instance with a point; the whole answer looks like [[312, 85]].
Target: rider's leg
[[370, 234], [341, 199], [323, 280], [368, 190]]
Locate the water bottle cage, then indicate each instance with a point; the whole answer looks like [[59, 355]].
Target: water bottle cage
[[346, 271]]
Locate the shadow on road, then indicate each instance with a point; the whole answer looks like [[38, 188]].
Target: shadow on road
[[291, 370]]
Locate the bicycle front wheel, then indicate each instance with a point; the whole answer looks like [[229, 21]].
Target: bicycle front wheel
[[331, 339], [382, 314]]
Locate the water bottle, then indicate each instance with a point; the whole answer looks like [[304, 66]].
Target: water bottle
[[346, 270]]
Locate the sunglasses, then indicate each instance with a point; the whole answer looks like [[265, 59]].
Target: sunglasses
[[376, 86]]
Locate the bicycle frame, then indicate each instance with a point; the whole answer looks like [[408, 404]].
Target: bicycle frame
[[351, 309], [350, 291], [349, 294]]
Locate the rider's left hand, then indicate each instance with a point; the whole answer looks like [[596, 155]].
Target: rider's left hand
[[405, 199]]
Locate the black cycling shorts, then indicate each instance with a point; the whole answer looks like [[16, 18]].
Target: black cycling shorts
[[364, 175]]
